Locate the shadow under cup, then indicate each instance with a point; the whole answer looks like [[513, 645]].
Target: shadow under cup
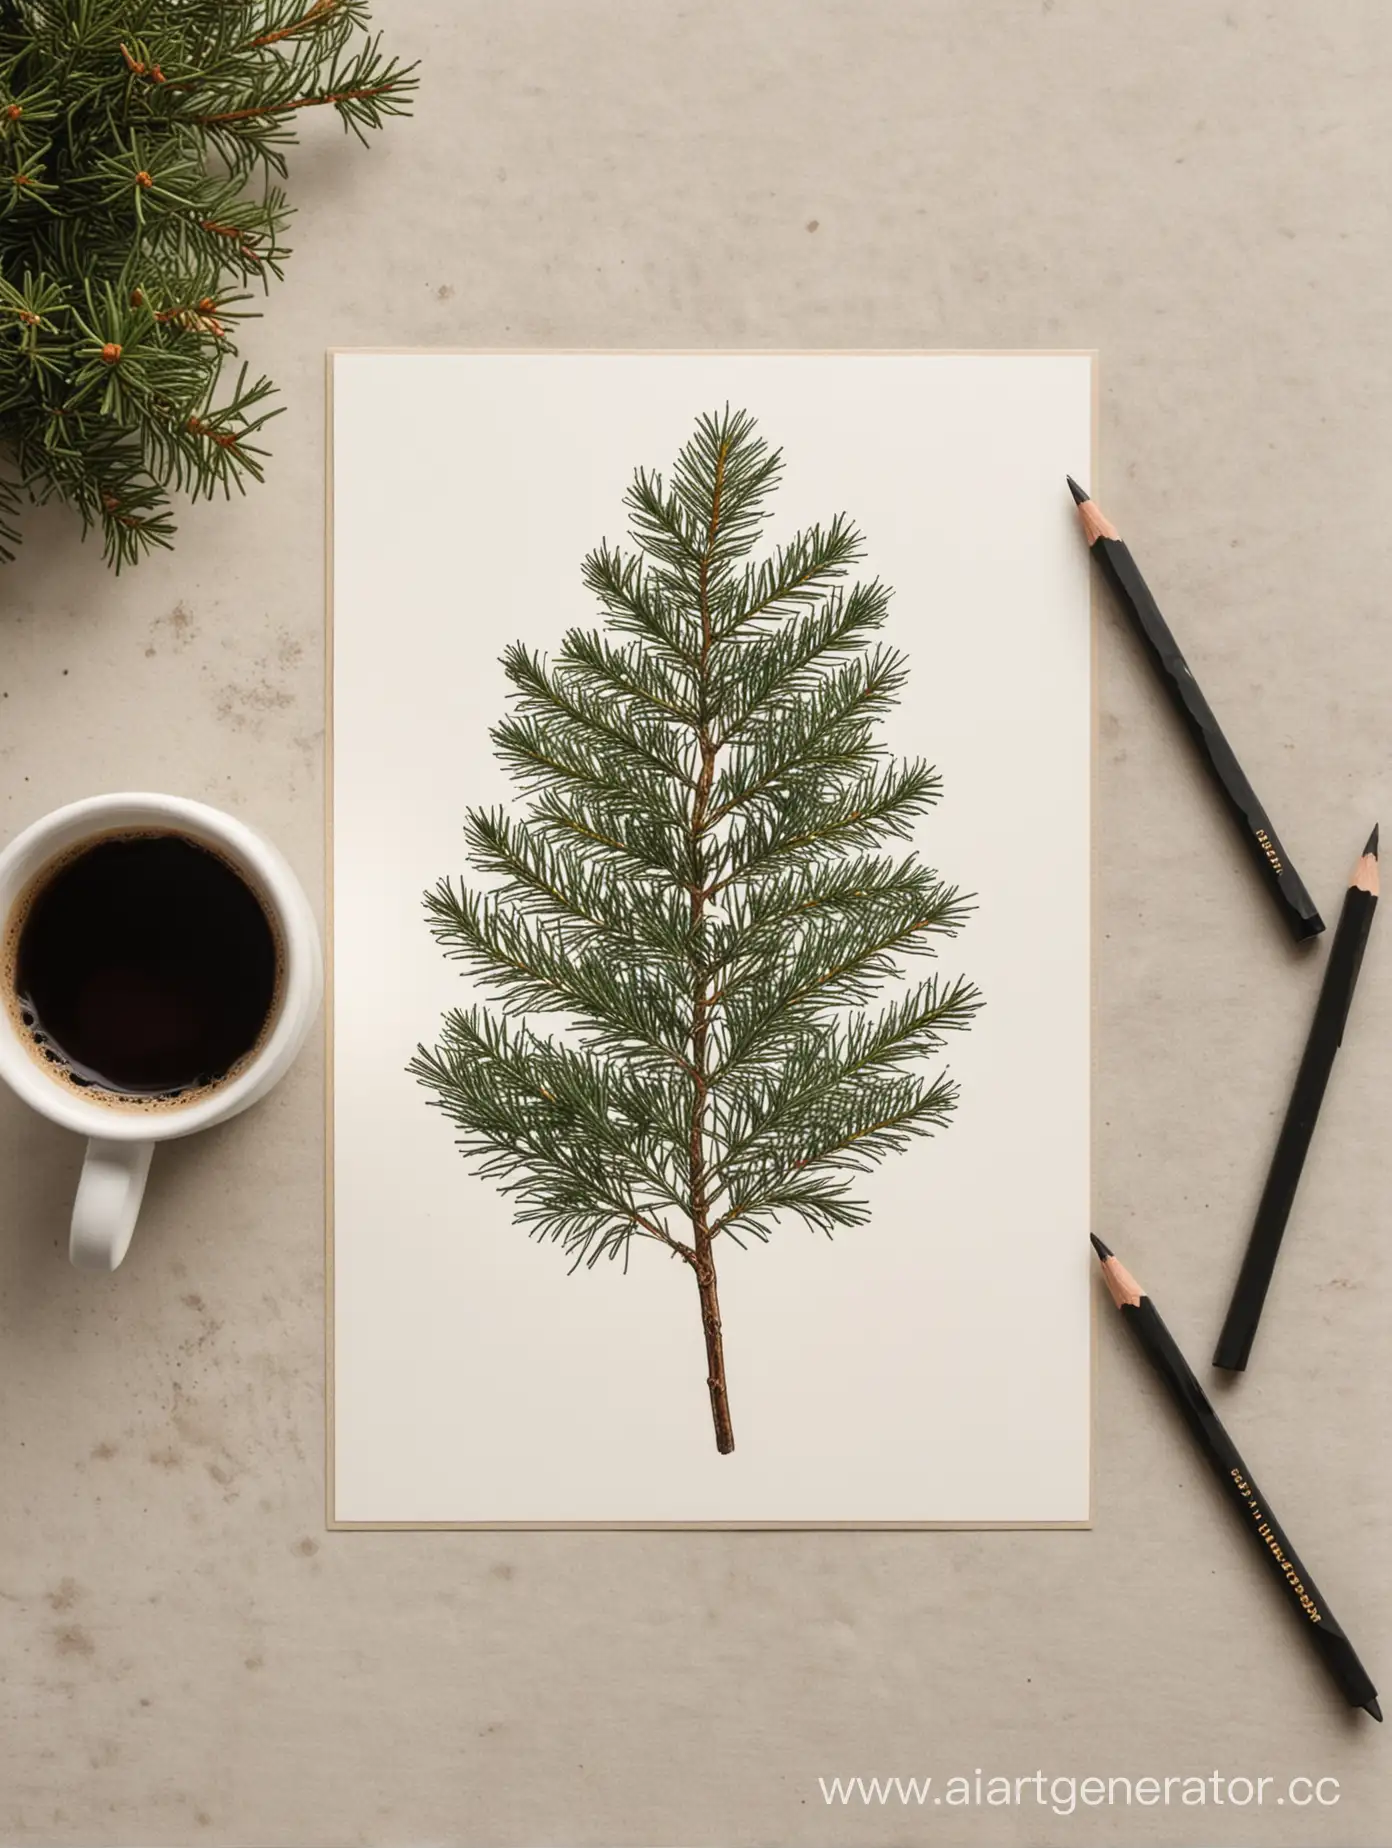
[[142, 970]]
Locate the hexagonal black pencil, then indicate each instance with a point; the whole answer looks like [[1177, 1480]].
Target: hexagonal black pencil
[[1270, 858]]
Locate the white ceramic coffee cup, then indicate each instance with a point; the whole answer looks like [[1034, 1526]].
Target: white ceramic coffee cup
[[120, 1141]]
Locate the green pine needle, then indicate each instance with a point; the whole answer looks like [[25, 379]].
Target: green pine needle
[[141, 142]]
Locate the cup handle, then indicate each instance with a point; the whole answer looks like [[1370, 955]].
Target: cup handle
[[108, 1199]]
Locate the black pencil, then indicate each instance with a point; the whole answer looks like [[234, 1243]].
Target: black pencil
[[1316, 1063], [1270, 857], [1235, 1480]]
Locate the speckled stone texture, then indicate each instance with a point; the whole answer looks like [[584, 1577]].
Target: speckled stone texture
[[1201, 193]]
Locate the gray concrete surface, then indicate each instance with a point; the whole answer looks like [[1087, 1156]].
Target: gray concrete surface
[[1201, 193]]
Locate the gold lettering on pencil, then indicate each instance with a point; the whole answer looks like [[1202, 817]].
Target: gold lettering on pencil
[[1264, 842], [1288, 1571]]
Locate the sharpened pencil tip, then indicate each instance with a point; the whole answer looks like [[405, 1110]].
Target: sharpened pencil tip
[[1103, 1251], [1079, 494], [1372, 842], [1371, 1706]]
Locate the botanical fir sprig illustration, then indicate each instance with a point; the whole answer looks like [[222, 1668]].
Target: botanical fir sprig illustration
[[697, 893]]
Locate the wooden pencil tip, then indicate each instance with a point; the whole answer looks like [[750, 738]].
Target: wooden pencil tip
[[1365, 874], [1122, 1287], [1095, 523]]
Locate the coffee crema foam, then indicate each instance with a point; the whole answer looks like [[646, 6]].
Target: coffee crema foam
[[50, 1057]]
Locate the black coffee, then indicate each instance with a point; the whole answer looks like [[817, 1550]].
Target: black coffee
[[146, 966]]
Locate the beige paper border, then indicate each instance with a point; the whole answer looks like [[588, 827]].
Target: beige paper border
[[331, 1522]]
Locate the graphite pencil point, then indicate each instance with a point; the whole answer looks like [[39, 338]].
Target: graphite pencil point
[[1372, 842], [1371, 1706], [1103, 1251], [1079, 494]]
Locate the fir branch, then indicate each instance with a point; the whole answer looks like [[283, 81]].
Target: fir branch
[[753, 683], [837, 959], [556, 698], [797, 574], [649, 688], [550, 1144], [882, 805], [697, 885], [644, 847], [333, 97], [576, 763], [827, 734], [873, 1122], [720, 484], [139, 145], [545, 969], [566, 887], [761, 918], [662, 529], [830, 1065], [637, 603]]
